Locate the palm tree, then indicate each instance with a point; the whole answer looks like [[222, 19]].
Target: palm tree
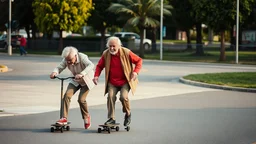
[[140, 13]]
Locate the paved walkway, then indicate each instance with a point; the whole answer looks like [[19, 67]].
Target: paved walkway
[[152, 84]]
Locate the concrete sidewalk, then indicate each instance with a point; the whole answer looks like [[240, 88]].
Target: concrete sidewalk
[[35, 93]]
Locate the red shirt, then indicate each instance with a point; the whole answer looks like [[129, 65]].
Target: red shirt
[[116, 73], [23, 41]]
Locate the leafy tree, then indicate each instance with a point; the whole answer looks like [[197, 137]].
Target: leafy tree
[[101, 19], [4, 14], [25, 16], [220, 15], [4, 20], [182, 17], [141, 13], [61, 15]]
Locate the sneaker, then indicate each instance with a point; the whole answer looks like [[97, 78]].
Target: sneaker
[[110, 121], [127, 119], [62, 121], [87, 122]]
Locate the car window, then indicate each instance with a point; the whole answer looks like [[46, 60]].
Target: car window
[[117, 35], [15, 36], [3, 37], [128, 35], [137, 36]]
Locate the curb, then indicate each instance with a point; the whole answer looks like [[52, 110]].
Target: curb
[[3, 68], [3, 114], [195, 83]]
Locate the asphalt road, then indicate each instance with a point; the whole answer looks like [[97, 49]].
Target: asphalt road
[[164, 110]]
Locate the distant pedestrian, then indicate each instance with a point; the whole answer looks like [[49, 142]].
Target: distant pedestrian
[[23, 44]]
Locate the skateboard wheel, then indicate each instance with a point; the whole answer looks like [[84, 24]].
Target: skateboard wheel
[[128, 128], [117, 128], [61, 129], [52, 129], [68, 128], [99, 130], [108, 130]]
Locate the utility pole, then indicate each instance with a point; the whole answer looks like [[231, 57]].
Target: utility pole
[[161, 31], [10, 29], [237, 30]]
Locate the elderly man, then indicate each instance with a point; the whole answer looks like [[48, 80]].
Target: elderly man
[[120, 75], [79, 65]]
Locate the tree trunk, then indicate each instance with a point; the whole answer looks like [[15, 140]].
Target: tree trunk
[[28, 37], [210, 35], [232, 40], [60, 43], [154, 40], [34, 29], [189, 47], [141, 53], [222, 46], [199, 46]]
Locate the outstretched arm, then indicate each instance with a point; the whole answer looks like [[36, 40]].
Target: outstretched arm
[[100, 66], [137, 61]]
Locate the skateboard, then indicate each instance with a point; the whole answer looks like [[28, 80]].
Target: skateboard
[[108, 127], [60, 127]]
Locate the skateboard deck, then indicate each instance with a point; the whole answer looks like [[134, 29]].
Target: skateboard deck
[[60, 127], [108, 127]]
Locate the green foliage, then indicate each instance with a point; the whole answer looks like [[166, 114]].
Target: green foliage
[[141, 13], [181, 13], [23, 12], [100, 18], [68, 15], [220, 15]]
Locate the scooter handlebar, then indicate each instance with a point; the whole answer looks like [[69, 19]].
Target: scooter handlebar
[[64, 78]]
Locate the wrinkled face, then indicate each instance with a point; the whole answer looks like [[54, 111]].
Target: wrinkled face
[[71, 60], [113, 47]]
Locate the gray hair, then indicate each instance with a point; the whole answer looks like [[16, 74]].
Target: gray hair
[[113, 38], [69, 50]]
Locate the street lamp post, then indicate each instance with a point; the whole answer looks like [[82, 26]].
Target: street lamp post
[[161, 31], [237, 30], [10, 29]]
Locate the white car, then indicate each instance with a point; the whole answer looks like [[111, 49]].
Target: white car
[[146, 42]]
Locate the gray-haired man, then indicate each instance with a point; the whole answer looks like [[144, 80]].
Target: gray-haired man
[[79, 65]]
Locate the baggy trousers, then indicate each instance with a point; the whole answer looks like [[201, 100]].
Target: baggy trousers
[[71, 90], [112, 91]]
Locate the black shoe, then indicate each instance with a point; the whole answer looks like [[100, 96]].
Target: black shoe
[[110, 121], [127, 119]]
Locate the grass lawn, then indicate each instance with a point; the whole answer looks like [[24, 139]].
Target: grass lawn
[[235, 79], [244, 57]]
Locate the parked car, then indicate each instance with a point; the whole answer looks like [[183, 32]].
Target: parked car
[[14, 41], [74, 35], [146, 42], [106, 34]]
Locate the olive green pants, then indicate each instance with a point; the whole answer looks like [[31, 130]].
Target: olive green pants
[[71, 90], [111, 100]]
